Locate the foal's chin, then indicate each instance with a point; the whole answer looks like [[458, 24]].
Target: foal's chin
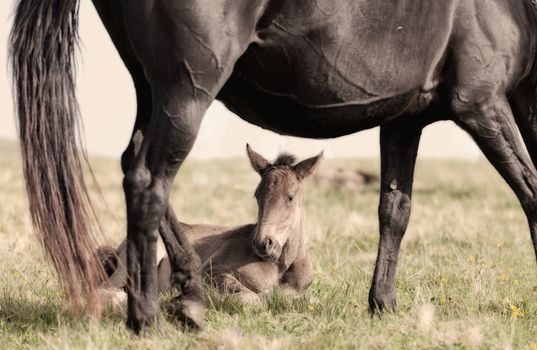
[[274, 257], [271, 258]]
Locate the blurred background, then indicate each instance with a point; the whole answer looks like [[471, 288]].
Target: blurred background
[[107, 102]]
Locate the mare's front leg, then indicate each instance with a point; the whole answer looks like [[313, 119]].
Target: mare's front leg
[[399, 147], [298, 277]]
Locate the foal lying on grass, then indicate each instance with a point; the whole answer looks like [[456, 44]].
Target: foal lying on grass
[[251, 259]]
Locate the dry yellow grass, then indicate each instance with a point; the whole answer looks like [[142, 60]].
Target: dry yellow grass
[[466, 279]]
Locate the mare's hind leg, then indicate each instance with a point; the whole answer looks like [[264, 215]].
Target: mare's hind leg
[[524, 105], [399, 147], [491, 123], [169, 137], [187, 57], [186, 265], [184, 261]]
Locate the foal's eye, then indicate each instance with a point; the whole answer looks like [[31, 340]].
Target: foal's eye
[[290, 198]]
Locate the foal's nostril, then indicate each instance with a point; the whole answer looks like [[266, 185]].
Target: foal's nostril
[[269, 244], [265, 247]]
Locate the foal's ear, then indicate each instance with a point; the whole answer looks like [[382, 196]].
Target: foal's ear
[[259, 163], [308, 166]]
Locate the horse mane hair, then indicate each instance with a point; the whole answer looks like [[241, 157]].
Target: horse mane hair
[[285, 159]]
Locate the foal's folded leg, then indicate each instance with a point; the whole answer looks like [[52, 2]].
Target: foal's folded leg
[[232, 285], [298, 277]]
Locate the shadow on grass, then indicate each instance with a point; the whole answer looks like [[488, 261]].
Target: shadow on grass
[[276, 302], [45, 315], [21, 314]]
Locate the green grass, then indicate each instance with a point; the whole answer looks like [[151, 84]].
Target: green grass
[[466, 277]]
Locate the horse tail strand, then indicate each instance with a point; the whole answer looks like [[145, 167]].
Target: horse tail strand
[[43, 44]]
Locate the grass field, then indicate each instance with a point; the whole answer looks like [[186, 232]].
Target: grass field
[[466, 279]]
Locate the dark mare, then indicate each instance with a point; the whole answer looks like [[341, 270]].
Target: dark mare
[[310, 68]]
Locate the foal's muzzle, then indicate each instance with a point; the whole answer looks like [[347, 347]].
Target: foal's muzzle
[[267, 249]]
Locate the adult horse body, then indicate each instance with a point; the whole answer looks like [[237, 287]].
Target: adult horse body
[[311, 68]]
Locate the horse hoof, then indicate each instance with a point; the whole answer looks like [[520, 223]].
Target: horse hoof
[[189, 312], [379, 305], [142, 326]]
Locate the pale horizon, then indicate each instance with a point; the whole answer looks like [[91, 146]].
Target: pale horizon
[[107, 102]]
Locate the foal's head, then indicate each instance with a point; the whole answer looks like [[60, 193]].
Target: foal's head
[[279, 198]]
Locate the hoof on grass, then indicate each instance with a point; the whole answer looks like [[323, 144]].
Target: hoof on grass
[[380, 305], [191, 313], [143, 327]]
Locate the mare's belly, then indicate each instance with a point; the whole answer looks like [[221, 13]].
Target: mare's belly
[[286, 115], [325, 69]]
